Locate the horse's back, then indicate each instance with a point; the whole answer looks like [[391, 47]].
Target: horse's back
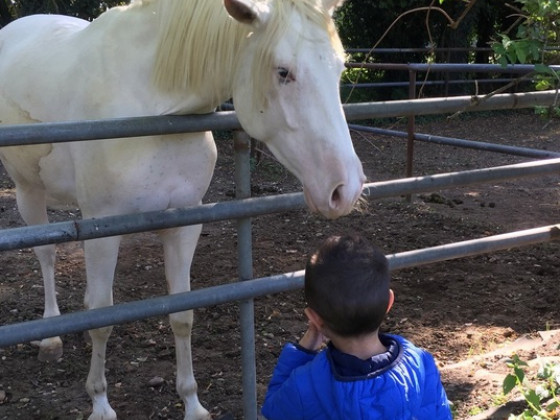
[[29, 34], [33, 50], [29, 28]]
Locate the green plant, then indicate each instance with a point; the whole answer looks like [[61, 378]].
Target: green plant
[[475, 411], [536, 40], [543, 399], [536, 30]]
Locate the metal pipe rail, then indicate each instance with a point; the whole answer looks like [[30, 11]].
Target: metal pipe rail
[[58, 132], [428, 83], [79, 230], [65, 131], [451, 67], [448, 105], [377, 50], [133, 311], [468, 144]]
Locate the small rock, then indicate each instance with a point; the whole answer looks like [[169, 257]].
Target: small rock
[[508, 332], [156, 381]]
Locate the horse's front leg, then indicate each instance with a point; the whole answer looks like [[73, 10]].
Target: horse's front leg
[[33, 209], [179, 246], [101, 259]]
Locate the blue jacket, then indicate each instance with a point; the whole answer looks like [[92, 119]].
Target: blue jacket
[[403, 383]]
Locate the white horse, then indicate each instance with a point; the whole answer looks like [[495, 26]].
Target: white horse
[[281, 62]]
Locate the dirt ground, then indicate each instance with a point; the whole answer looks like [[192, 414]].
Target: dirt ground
[[471, 313]]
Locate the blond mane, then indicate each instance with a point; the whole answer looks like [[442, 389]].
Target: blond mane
[[199, 42]]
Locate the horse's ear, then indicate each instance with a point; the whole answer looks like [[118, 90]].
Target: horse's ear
[[246, 11], [332, 5]]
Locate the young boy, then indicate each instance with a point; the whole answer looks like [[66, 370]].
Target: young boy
[[361, 374]]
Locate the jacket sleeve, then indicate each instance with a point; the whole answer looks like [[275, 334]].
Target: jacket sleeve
[[435, 405], [282, 400]]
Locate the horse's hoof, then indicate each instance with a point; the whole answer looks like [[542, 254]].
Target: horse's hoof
[[50, 349], [108, 414], [198, 413]]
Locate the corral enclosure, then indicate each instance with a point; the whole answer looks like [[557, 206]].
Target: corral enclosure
[[456, 309]]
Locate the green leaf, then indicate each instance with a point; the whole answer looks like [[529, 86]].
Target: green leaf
[[518, 361], [503, 61], [521, 52], [509, 383], [532, 397], [543, 85], [519, 373], [542, 68], [552, 406]]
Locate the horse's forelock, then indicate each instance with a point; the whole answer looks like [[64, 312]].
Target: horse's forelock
[[276, 28]]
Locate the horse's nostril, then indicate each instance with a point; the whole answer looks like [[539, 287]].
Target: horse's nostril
[[336, 197]]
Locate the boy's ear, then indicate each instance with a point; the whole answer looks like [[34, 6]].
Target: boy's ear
[[314, 318], [391, 300]]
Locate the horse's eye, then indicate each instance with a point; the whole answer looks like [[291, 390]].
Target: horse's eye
[[284, 75]]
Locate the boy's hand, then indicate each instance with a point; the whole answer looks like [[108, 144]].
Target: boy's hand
[[313, 339]]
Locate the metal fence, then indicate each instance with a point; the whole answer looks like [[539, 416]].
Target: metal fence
[[245, 207], [471, 77]]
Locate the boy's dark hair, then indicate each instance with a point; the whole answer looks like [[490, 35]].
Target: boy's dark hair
[[347, 284]]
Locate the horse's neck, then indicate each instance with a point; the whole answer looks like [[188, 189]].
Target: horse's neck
[[124, 48], [198, 48]]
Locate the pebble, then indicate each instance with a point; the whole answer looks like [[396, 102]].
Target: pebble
[[156, 381]]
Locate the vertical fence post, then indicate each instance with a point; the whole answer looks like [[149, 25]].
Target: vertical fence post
[[242, 146], [410, 127]]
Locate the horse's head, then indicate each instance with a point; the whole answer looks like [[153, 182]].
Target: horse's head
[[286, 94]]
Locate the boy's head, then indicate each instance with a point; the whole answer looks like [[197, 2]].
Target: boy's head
[[347, 285]]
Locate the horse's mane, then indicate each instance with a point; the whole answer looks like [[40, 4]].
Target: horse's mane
[[199, 41]]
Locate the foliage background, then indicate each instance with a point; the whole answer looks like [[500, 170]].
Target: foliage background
[[361, 22], [85, 9], [516, 30]]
